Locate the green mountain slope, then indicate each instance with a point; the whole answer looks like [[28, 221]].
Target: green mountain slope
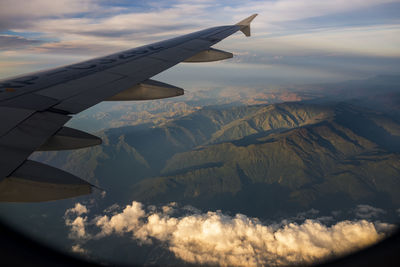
[[260, 159], [320, 164]]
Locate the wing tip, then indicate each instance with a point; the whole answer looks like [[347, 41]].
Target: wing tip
[[245, 24], [247, 21]]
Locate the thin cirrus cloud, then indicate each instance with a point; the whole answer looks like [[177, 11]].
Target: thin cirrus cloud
[[215, 238], [21, 14], [287, 10], [88, 19], [379, 41], [95, 27], [12, 41]]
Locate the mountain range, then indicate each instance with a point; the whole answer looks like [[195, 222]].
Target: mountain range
[[262, 160]]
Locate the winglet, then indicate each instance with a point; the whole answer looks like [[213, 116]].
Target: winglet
[[245, 24]]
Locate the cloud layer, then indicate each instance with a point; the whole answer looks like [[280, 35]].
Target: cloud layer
[[286, 29], [215, 238], [83, 22]]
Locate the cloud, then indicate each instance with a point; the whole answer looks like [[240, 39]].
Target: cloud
[[78, 249], [78, 230], [78, 47], [14, 42], [83, 18], [368, 212], [39, 8], [215, 238], [92, 22], [77, 225], [79, 209], [291, 10], [372, 41], [19, 13], [281, 35]]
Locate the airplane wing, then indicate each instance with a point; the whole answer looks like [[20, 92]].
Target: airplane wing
[[34, 107]]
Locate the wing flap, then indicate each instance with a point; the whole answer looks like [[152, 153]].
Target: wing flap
[[74, 87], [30, 101], [148, 90], [209, 55], [11, 117], [26, 137], [37, 182], [68, 138], [183, 51], [140, 68]]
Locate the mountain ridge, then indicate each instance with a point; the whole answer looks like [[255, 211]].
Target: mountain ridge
[[298, 153]]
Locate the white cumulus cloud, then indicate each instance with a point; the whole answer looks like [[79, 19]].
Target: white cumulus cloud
[[215, 238], [79, 209], [78, 224], [78, 249]]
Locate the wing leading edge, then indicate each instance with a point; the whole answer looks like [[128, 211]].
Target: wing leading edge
[[34, 107]]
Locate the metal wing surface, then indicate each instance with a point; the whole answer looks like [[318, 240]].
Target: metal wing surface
[[34, 107]]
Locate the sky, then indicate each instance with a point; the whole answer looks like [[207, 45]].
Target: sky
[[293, 41]]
